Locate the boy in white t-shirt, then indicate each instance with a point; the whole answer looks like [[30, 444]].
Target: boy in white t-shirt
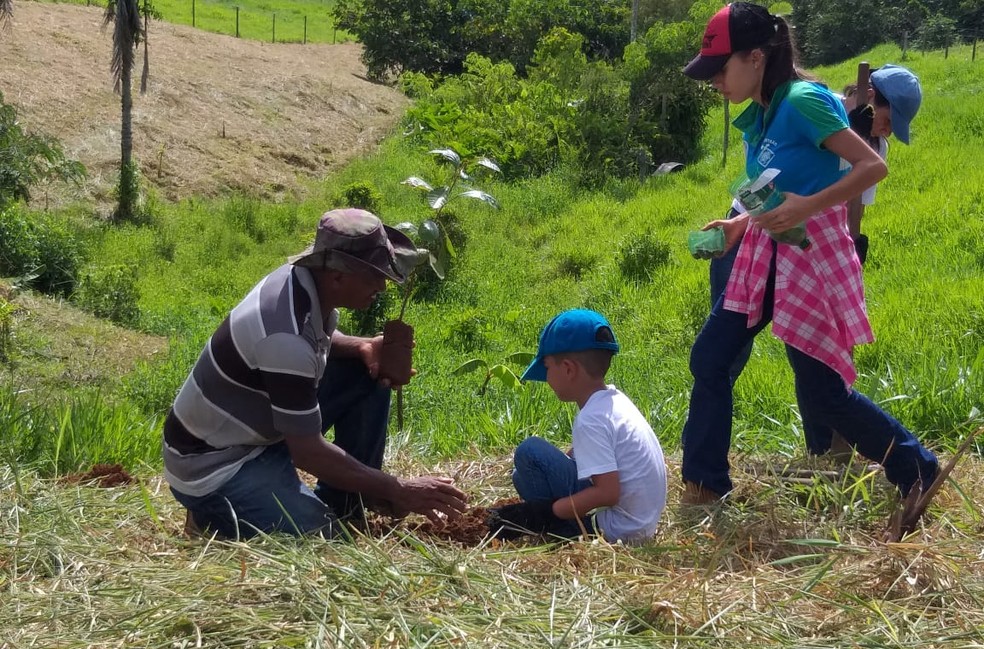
[[615, 469]]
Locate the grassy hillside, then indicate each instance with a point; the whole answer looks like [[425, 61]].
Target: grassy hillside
[[621, 251], [256, 18], [784, 565]]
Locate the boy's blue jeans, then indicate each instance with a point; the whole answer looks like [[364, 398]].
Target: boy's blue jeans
[[821, 394], [267, 495], [541, 471]]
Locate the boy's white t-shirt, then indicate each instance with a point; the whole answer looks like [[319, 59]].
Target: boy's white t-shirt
[[610, 434]]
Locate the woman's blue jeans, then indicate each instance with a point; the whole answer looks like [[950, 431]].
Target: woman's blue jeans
[[267, 495], [821, 394], [541, 471]]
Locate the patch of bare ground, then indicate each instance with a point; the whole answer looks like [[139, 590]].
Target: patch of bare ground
[[220, 113]]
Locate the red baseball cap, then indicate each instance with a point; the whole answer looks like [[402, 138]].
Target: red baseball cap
[[738, 27]]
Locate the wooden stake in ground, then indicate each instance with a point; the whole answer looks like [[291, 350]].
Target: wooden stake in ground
[[855, 209], [913, 506]]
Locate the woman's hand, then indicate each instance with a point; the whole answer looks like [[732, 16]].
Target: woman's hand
[[734, 230], [795, 209]]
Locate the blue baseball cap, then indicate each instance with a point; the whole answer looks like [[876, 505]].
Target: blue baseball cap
[[571, 331], [901, 88]]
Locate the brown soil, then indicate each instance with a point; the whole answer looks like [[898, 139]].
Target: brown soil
[[220, 113], [104, 475], [469, 530]]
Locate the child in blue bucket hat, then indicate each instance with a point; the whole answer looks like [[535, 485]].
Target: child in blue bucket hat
[[615, 473]]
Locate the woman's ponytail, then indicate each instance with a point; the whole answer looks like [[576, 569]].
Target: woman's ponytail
[[781, 60]]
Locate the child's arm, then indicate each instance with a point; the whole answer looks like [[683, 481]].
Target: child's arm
[[603, 492]]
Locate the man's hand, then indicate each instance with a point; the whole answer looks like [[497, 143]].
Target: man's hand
[[370, 351], [430, 496]]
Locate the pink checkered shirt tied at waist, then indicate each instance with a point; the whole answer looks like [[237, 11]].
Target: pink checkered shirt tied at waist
[[819, 305]]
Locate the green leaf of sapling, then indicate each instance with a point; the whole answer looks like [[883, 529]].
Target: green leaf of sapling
[[506, 376], [469, 366], [448, 154], [521, 358], [429, 231], [406, 228], [438, 265], [481, 196], [488, 164], [436, 198], [417, 183]]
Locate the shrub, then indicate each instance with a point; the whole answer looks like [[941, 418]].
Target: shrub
[[130, 207], [6, 327], [369, 322], [641, 257], [111, 293], [597, 117], [468, 331], [40, 251], [363, 195], [28, 159], [938, 32], [243, 214]]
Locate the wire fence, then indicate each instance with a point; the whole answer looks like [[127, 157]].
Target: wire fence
[[299, 21], [944, 42]]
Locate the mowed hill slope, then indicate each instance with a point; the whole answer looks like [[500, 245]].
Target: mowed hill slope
[[220, 113]]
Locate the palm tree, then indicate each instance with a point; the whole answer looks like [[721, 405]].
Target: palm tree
[[127, 34], [6, 12]]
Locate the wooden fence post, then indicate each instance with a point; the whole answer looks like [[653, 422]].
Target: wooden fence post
[[237, 22], [192, 13], [855, 209], [274, 38], [305, 30]]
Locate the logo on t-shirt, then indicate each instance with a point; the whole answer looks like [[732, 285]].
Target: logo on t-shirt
[[766, 152]]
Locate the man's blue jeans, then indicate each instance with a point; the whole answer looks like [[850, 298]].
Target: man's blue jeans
[[541, 471], [267, 495], [822, 396]]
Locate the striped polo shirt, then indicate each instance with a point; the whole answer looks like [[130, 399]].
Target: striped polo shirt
[[255, 382]]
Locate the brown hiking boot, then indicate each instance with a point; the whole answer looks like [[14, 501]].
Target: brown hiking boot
[[191, 529], [697, 495]]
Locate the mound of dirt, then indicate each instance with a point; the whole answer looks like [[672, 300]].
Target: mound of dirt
[[220, 113], [103, 475]]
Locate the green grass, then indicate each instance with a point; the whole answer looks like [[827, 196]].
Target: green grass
[[256, 20], [791, 566]]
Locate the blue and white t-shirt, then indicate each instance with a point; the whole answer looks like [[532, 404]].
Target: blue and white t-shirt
[[789, 136]]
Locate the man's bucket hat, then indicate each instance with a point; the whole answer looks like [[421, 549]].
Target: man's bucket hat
[[354, 240]]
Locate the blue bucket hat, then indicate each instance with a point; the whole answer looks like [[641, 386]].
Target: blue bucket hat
[[571, 331], [901, 88]]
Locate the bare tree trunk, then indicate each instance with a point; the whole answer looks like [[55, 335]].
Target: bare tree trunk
[[127, 188]]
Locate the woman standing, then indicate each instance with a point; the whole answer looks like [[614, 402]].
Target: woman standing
[[813, 297]]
